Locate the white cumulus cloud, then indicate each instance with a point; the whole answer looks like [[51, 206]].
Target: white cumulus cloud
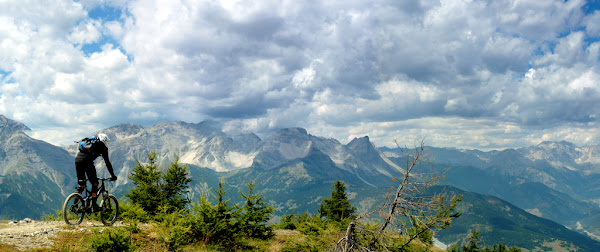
[[475, 74]]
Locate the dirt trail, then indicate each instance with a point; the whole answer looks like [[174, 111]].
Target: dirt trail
[[31, 234]]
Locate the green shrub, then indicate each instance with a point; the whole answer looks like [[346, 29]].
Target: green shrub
[[58, 215], [133, 228], [309, 228], [177, 227], [168, 217], [111, 240], [177, 236], [130, 211], [288, 222]]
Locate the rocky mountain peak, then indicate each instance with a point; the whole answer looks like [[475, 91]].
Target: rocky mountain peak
[[564, 145], [123, 130], [127, 127], [361, 143], [6, 123], [557, 153], [9, 127], [247, 140], [289, 133]]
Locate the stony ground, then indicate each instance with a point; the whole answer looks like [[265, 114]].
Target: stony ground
[[30, 234]]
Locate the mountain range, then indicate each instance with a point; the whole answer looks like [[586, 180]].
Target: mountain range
[[294, 170]]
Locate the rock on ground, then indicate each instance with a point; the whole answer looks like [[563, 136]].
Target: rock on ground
[[30, 234]]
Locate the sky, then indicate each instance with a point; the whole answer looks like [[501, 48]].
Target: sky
[[470, 74]]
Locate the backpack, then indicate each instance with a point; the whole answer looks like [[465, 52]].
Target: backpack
[[86, 144]]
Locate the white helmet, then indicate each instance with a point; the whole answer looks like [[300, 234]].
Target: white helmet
[[103, 137]]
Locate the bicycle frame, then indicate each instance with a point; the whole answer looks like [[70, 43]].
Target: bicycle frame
[[101, 191], [77, 205]]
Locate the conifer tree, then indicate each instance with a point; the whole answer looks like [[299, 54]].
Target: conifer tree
[[203, 218], [147, 190], [473, 244], [176, 180], [337, 207], [255, 214], [224, 225], [154, 189], [214, 223]]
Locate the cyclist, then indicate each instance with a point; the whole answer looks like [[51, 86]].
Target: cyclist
[[84, 164]]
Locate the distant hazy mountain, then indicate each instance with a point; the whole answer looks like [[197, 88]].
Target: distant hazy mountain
[[559, 165], [554, 180]]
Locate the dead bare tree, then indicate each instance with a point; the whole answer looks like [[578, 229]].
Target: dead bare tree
[[407, 207]]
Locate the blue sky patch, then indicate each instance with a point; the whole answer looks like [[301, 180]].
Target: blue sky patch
[[3, 74], [89, 49], [5, 78], [591, 6], [105, 13]]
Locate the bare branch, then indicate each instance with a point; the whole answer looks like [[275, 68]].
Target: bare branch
[[407, 207]]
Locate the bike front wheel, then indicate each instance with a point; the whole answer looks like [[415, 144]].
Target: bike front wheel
[[109, 210], [73, 209]]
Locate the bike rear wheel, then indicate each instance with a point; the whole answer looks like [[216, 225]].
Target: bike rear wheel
[[73, 209], [110, 210]]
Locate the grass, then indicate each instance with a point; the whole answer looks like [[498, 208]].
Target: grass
[[152, 238], [6, 247]]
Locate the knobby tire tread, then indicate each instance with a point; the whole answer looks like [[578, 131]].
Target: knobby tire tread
[[110, 210], [66, 210]]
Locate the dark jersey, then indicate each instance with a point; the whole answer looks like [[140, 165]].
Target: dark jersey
[[98, 149]]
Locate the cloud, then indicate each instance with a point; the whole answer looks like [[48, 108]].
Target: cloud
[[85, 33], [473, 73], [592, 24]]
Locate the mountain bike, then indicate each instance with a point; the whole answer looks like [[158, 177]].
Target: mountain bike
[[77, 206]]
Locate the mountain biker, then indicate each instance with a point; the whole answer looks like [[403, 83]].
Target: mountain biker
[[84, 164]]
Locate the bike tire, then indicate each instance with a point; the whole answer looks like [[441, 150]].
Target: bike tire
[[73, 209], [110, 210]]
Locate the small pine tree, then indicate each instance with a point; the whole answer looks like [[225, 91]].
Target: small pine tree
[[255, 214], [214, 223], [473, 244], [224, 215], [288, 222], [338, 207], [176, 180], [202, 227], [154, 189], [147, 191]]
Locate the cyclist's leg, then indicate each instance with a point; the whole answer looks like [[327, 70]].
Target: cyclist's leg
[[92, 177], [80, 167]]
